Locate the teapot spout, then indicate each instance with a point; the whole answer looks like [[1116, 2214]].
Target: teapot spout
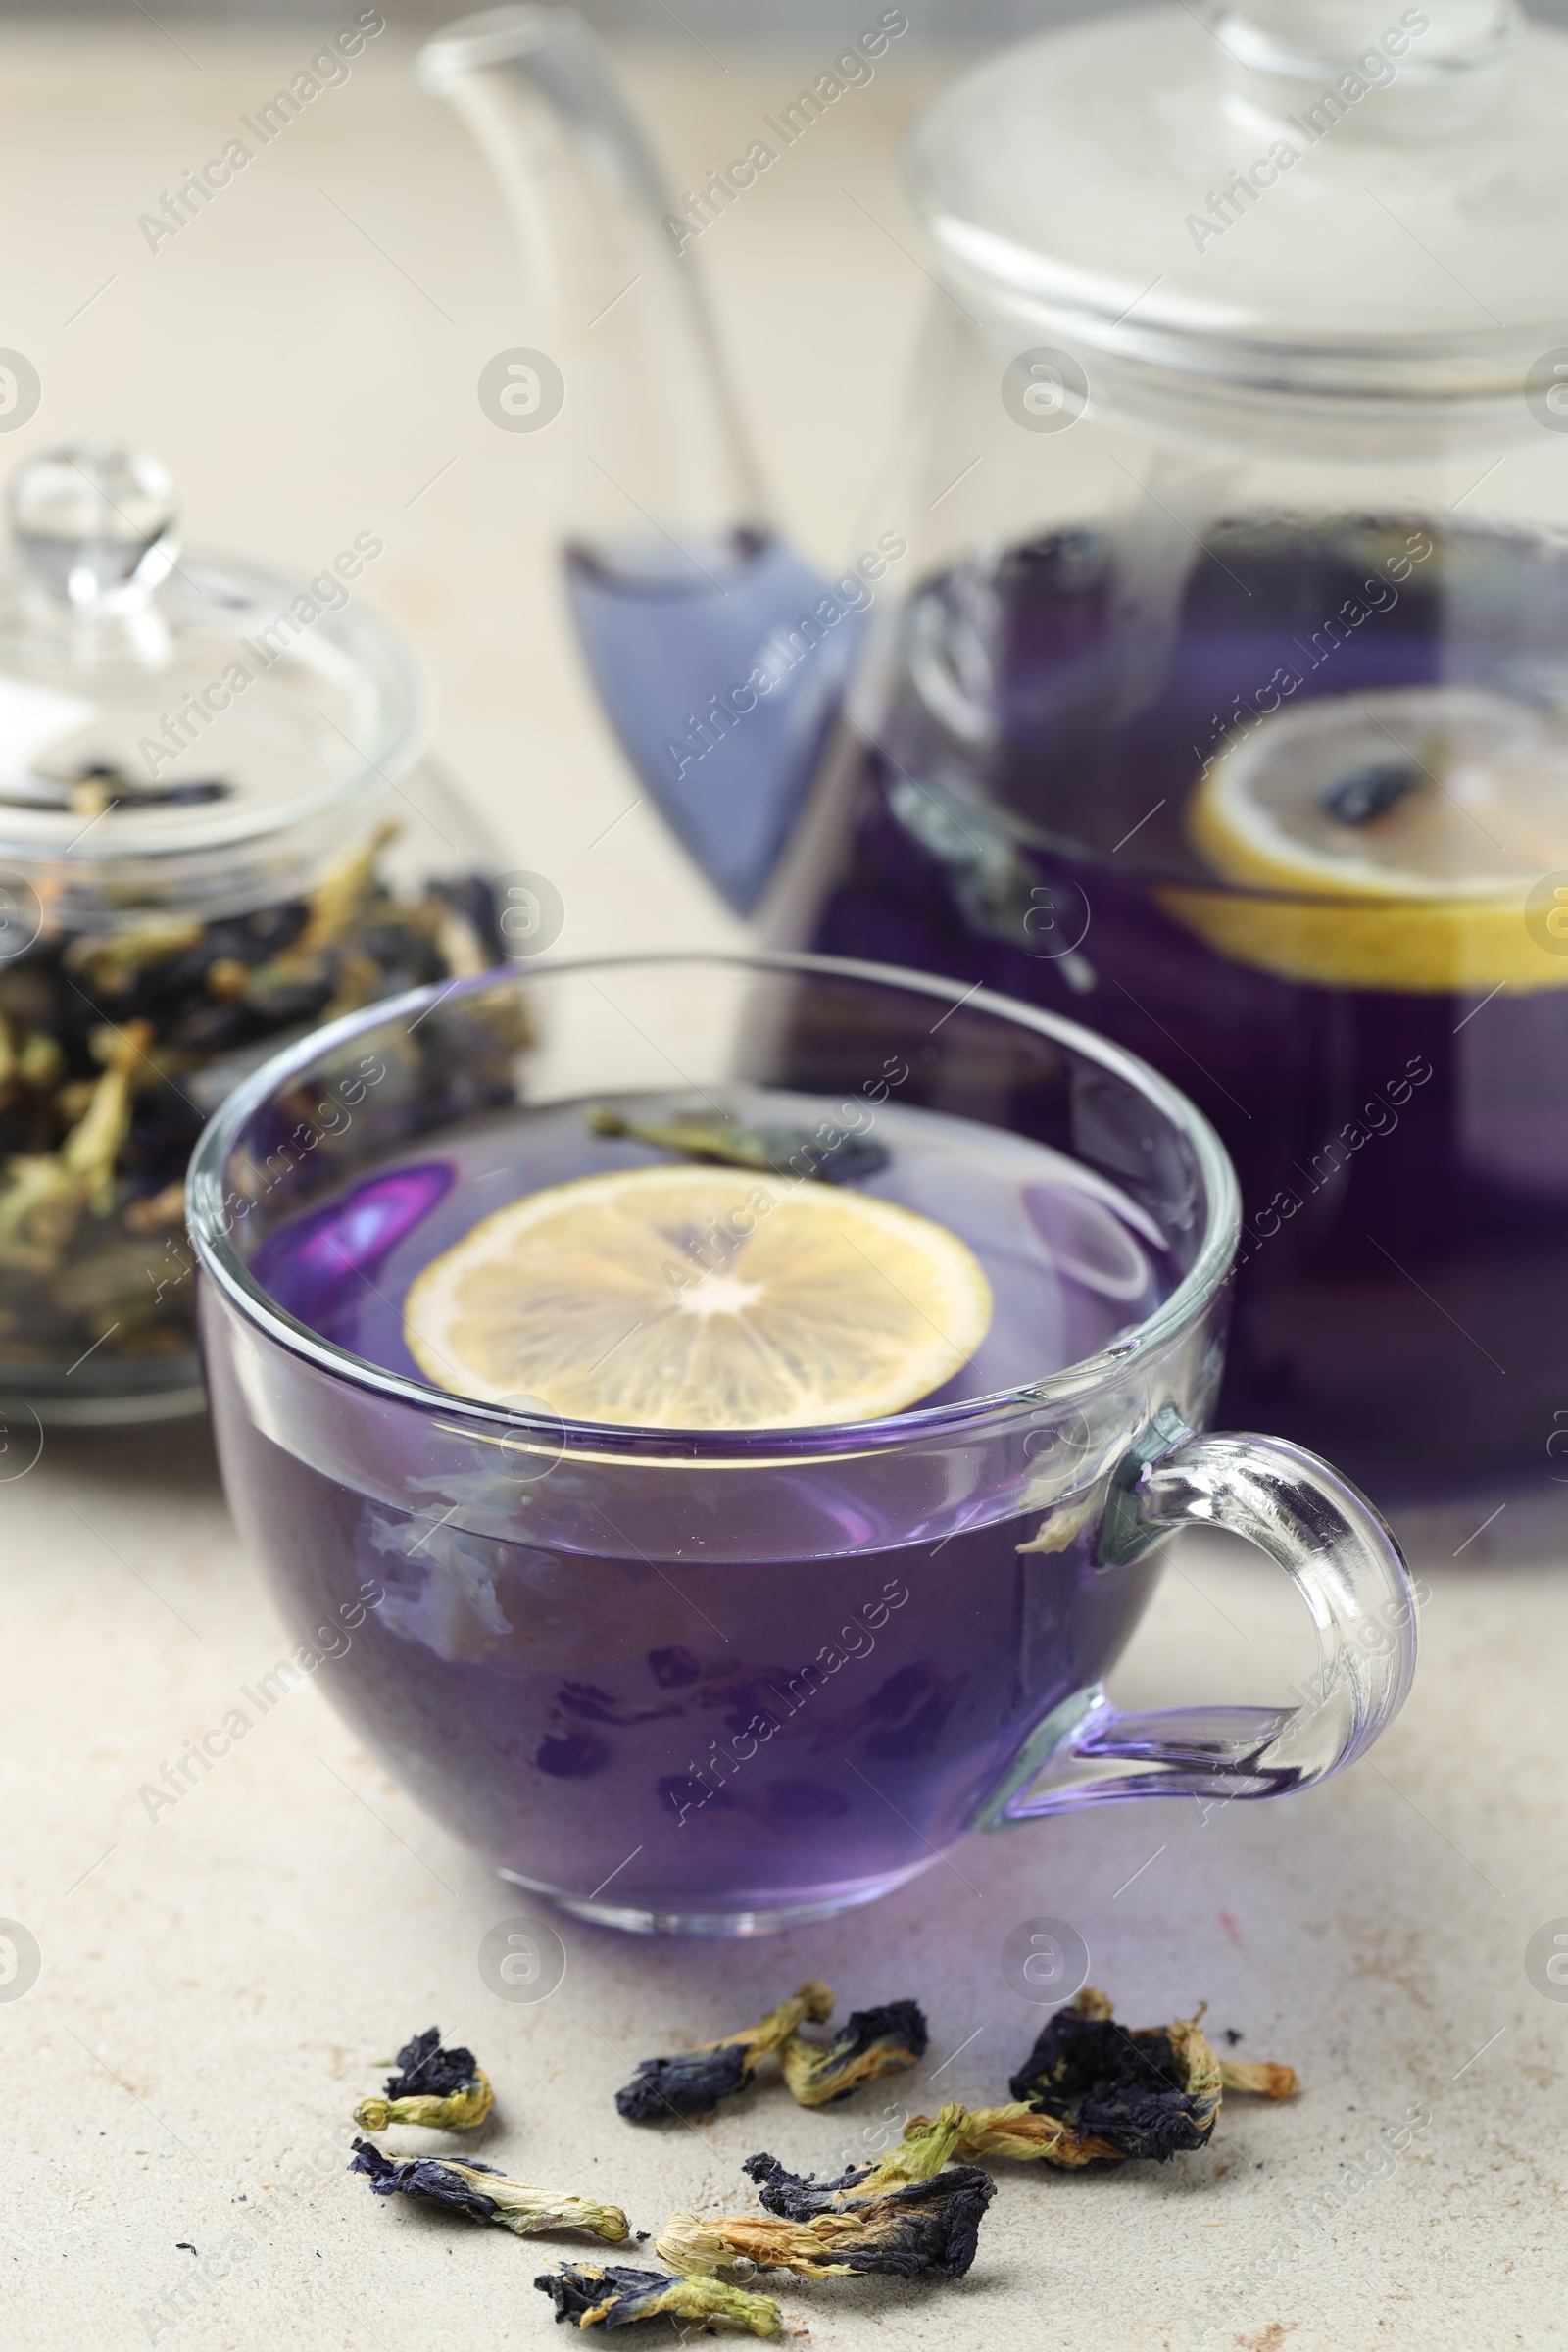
[[705, 634], [722, 692]]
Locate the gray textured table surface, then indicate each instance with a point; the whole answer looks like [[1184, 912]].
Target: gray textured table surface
[[217, 1982]]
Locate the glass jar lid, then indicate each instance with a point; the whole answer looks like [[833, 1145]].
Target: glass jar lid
[[173, 724], [1351, 195]]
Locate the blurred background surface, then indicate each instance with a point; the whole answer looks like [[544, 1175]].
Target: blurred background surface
[[305, 355], [735, 21]]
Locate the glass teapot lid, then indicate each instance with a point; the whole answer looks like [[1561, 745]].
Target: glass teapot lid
[[155, 705], [1341, 193]]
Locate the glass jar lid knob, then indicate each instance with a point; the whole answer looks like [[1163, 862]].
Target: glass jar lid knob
[[1329, 32], [95, 524], [1452, 51]]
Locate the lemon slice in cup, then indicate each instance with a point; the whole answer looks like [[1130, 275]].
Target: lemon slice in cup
[[1419, 819], [698, 1298]]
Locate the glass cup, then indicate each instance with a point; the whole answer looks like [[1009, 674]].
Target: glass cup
[[712, 1681]]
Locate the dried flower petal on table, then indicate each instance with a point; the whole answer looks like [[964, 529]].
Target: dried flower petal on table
[[839, 1156], [802, 2196], [870, 2042], [444, 2089], [485, 2195], [1259, 2078], [929, 2225], [912, 2190], [1022, 2134], [926, 2146], [973, 2134], [928, 2143], [1151, 2093], [616, 2297], [693, 2081]]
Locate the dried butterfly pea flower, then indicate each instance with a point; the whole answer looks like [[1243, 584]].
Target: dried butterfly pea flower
[[109, 965], [931, 2225], [353, 934], [445, 2090], [928, 2143], [156, 1212], [1259, 2078], [91, 1148], [30, 1060], [39, 1062], [977, 2135], [1025, 2134], [802, 2196], [870, 2042], [90, 791], [339, 899], [840, 1156], [460, 924], [693, 2081], [700, 2248], [485, 2195], [43, 1195], [112, 1285], [88, 1170], [615, 2297], [1018, 2133], [39, 1205], [1153, 2094], [925, 2149]]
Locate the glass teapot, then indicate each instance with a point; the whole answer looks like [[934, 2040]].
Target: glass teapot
[[1209, 677]]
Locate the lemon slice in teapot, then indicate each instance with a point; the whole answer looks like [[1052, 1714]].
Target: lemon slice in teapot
[[700, 1298], [1397, 838]]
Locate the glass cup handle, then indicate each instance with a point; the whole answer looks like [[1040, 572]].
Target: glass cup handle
[[1348, 1569]]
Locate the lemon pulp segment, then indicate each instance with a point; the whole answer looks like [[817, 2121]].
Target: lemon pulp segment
[[700, 1298], [1421, 886]]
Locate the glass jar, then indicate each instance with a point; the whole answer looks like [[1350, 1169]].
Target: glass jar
[[219, 828]]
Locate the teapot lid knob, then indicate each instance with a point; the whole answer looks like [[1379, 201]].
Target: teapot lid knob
[[95, 524]]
